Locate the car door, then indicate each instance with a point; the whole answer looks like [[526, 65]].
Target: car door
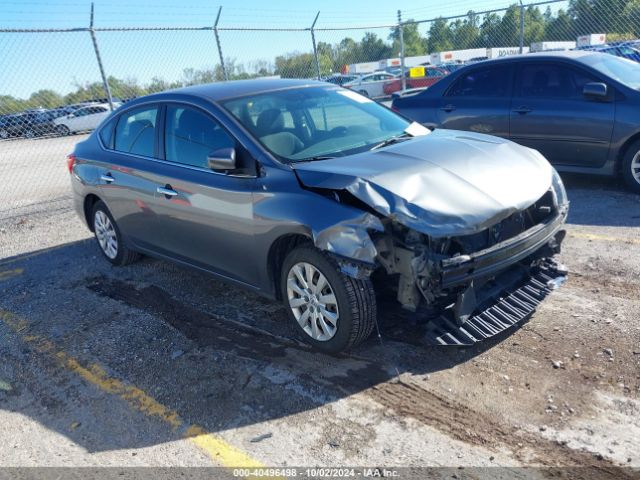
[[76, 120], [478, 101], [380, 79], [128, 175], [551, 114], [205, 217]]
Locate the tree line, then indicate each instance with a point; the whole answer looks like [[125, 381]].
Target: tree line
[[620, 19]]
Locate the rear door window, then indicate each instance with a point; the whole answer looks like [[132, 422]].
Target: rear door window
[[136, 131]]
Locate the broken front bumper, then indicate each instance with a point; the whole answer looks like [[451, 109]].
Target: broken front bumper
[[540, 241], [510, 307]]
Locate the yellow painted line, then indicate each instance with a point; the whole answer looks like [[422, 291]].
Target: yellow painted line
[[603, 238], [7, 274], [215, 447]]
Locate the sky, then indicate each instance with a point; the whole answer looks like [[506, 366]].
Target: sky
[[33, 61]]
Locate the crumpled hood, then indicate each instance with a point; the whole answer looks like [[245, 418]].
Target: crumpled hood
[[443, 184]]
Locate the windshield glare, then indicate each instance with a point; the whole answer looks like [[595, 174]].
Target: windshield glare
[[306, 123], [624, 71]]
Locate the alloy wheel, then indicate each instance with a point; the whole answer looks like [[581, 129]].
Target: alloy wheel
[[106, 234], [635, 167], [312, 301]]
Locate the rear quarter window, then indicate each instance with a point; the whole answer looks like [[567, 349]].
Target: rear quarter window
[[106, 133]]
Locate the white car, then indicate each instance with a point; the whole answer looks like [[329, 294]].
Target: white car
[[370, 85], [83, 119]]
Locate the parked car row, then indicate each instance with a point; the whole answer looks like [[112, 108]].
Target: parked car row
[[58, 121], [578, 108]]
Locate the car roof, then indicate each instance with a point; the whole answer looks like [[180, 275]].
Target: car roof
[[567, 54], [239, 88]]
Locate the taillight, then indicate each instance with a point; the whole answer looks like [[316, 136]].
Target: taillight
[[71, 160]]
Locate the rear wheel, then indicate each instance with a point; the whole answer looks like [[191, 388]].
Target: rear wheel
[[333, 311], [109, 237], [631, 167]]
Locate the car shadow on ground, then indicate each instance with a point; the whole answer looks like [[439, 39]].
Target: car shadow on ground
[[601, 201], [237, 364]]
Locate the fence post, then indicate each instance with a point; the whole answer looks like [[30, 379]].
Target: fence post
[[105, 82], [315, 49], [401, 30], [521, 27], [215, 31]]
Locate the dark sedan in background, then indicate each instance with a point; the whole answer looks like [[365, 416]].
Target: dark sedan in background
[[580, 109]]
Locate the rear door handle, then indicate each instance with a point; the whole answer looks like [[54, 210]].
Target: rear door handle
[[522, 110], [107, 178], [167, 191], [448, 108]]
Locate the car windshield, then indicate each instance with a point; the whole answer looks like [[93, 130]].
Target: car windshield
[[314, 123], [624, 71]]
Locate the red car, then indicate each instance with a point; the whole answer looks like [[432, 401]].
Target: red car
[[432, 75]]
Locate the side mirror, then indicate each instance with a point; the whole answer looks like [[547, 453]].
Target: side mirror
[[595, 89], [222, 159]]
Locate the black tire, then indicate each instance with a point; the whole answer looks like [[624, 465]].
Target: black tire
[[631, 167], [63, 130], [124, 255], [356, 301], [363, 92]]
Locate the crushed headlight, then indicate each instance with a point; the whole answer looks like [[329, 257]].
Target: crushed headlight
[[558, 189]]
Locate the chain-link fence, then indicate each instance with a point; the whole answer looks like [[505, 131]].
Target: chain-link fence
[[56, 84]]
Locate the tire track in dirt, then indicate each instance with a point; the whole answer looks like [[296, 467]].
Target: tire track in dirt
[[405, 399], [461, 422]]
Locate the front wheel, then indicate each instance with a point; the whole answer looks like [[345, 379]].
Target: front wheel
[[631, 167], [333, 312], [363, 93], [109, 237]]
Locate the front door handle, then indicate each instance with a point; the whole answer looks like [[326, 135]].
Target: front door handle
[[522, 110], [448, 108], [167, 191], [107, 178]]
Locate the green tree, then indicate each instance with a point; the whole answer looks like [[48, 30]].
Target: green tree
[[466, 33], [414, 44], [490, 30], [296, 65], [440, 37], [45, 99], [560, 27]]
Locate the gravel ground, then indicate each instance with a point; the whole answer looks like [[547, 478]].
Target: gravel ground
[[561, 391]]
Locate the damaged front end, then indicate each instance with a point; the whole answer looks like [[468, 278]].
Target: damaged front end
[[472, 287], [466, 234]]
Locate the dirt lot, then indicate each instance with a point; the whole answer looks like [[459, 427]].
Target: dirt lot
[[155, 365]]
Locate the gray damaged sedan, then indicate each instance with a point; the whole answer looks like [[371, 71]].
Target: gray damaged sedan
[[320, 197]]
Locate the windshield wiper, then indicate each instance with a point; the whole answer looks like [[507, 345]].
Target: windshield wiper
[[316, 158], [394, 139]]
